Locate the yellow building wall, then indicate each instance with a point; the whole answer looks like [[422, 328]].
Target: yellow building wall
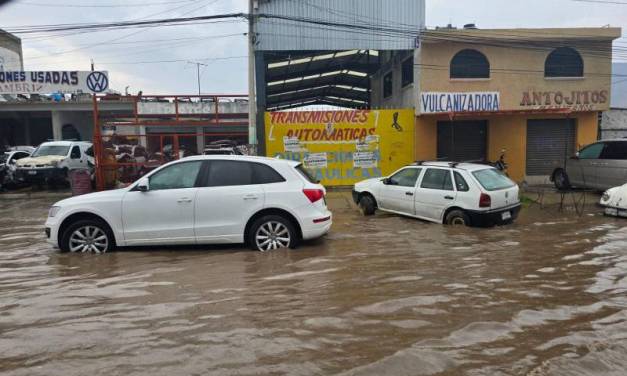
[[517, 71], [504, 132]]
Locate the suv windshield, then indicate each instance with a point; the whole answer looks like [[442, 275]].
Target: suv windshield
[[493, 180], [47, 150], [306, 174]]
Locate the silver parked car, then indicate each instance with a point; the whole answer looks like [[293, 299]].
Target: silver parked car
[[601, 166]]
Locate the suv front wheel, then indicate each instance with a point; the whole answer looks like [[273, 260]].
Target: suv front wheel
[[272, 232], [87, 236]]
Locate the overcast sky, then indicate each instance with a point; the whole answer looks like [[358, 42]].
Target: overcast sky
[[126, 53]]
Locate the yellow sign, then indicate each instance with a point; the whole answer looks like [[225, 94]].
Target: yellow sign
[[343, 147]]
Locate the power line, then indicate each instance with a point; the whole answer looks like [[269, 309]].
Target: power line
[[57, 5]]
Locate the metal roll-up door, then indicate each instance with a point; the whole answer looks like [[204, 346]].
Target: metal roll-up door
[[549, 144], [462, 140]]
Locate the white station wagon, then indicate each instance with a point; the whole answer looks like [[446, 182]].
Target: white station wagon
[[450, 193]]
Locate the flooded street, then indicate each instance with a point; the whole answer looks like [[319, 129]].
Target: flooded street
[[379, 296]]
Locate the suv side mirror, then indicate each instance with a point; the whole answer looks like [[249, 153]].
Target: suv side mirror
[[386, 181], [143, 185]]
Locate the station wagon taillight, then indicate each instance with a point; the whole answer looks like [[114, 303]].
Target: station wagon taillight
[[314, 195], [485, 201]]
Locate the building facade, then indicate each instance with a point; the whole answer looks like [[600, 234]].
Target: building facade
[[535, 93]]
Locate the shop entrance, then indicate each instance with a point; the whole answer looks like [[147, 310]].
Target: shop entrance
[[549, 143], [462, 140]]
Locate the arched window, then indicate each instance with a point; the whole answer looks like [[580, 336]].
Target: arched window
[[470, 64], [563, 62]]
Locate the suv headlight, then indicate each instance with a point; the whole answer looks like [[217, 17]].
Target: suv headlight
[[54, 163], [53, 211]]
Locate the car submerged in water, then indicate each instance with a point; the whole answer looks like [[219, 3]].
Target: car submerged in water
[[449, 193], [614, 200], [221, 199]]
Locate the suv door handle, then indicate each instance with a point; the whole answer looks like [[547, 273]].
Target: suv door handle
[[449, 197], [251, 197], [408, 194], [184, 200]]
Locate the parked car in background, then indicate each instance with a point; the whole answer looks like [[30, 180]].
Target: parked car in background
[[225, 147], [51, 161], [266, 203], [450, 193], [599, 166], [8, 165], [615, 201]]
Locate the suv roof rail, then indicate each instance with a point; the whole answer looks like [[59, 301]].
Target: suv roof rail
[[454, 164]]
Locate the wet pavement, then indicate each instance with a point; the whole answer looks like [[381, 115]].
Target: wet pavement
[[379, 296]]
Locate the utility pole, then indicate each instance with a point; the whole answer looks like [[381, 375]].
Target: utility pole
[[252, 102], [198, 71]]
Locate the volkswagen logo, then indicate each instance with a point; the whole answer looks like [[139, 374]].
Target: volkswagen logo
[[97, 82]]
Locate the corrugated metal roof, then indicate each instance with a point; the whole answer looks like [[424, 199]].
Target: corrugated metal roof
[[284, 35]]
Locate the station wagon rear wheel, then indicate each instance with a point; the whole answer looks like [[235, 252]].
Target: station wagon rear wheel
[[457, 218]]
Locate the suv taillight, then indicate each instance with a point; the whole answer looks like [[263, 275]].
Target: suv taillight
[[485, 201], [314, 195]]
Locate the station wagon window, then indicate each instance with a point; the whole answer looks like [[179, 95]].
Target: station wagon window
[[460, 183], [615, 150], [592, 152], [178, 176], [405, 178], [437, 179], [493, 180]]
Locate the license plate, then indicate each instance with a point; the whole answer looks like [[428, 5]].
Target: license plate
[[506, 216], [32, 172]]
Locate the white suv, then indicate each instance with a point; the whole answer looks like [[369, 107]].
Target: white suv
[[449, 193], [266, 203]]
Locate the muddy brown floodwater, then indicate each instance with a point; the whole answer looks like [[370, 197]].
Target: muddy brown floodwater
[[379, 296]]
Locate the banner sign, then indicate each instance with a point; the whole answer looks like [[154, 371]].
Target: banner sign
[[343, 147], [433, 103], [576, 100], [40, 82]]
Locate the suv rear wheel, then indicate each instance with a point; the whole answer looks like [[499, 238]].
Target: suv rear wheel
[[272, 232]]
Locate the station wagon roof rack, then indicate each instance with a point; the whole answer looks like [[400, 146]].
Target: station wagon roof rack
[[454, 164]]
